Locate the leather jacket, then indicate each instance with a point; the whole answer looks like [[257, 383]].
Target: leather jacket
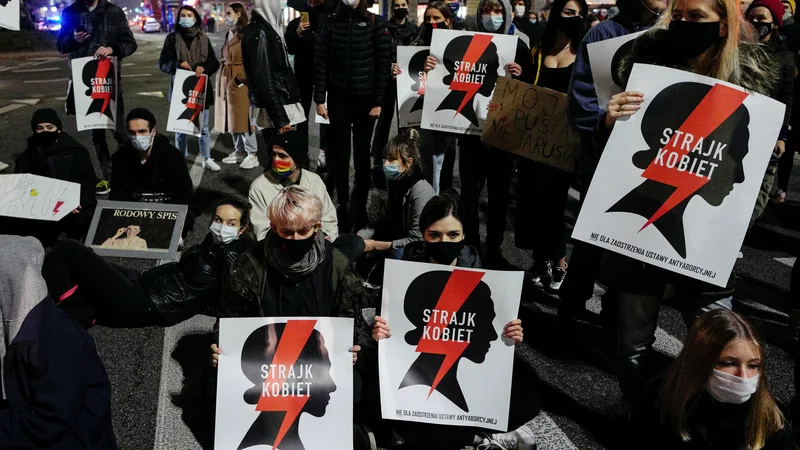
[[270, 79]]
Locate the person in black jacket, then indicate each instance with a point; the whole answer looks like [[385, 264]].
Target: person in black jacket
[[274, 91], [88, 287], [55, 154], [148, 169], [522, 9], [403, 32], [353, 67], [188, 48], [56, 390]]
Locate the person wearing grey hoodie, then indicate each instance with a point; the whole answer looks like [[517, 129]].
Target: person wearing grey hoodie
[[57, 391]]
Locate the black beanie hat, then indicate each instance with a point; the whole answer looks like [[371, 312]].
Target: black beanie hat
[[295, 143], [45, 115]]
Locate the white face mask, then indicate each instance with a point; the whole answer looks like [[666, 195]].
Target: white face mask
[[142, 143], [728, 388], [350, 3], [224, 234], [520, 10]]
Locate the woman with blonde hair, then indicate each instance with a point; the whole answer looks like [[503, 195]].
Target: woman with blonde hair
[[715, 395]]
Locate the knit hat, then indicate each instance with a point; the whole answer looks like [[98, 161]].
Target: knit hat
[[792, 6], [295, 143], [45, 115], [775, 8]]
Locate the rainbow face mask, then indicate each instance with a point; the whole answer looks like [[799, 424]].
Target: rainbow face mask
[[282, 169]]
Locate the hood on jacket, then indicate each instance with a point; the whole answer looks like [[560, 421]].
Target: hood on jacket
[[272, 12], [508, 22], [759, 73]]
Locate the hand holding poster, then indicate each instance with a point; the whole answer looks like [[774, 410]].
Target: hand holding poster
[[187, 103], [27, 196], [411, 84], [677, 181], [285, 383], [604, 57], [446, 327], [9, 14], [458, 90], [95, 87], [531, 121]]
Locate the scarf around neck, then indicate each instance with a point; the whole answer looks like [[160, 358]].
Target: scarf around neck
[[197, 51], [277, 257]]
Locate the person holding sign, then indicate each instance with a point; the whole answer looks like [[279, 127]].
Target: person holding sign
[[715, 41], [540, 210], [188, 48]]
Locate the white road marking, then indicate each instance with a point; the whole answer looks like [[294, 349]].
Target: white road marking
[[42, 69], [11, 107], [787, 261], [158, 94], [46, 81], [29, 64], [128, 64], [136, 75], [27, 101]]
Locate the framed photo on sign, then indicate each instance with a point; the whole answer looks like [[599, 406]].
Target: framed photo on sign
[[136, 230]]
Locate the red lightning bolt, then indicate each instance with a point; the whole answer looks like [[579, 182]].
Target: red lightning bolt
[[720, 102], [103, 66], [192, 103], [294, 338], [58, 205], [476, 48], [459, 286]]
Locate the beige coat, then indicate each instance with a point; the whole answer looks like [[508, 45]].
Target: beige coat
[[232, 110]]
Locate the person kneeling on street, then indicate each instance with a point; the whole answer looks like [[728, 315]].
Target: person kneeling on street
[[53, 153], [88, 287], [149, 169], [57, 392]]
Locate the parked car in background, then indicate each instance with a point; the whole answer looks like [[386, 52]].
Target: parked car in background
[[49, 24], [151, 25]]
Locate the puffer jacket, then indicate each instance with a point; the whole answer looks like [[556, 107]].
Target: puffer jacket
[[270, 79], [353, 56], [194, 284]]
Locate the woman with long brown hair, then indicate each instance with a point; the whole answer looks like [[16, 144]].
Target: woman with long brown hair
[[715, 395], [232, 114]]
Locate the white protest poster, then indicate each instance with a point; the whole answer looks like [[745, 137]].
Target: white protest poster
[[678, 180], [285, 383], [319, 119], [458, 90], [604, 57], [27, 196], [447, 326], [411, 84], [9, 14], [187, 103], [95, 85]]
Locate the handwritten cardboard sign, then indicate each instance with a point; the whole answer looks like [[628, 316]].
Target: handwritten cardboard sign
[[27, 196], [531, 121]]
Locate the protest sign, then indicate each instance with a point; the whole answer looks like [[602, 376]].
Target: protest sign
[[187, 103], [531, 121], [411, 84], [447, 326], [677, 181], [458, 90], [95, 87], [26, 196], [604, 57], [136, 230], [286, 383], [9, 14], [319, 119]]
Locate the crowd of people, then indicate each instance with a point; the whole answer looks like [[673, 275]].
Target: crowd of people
[[303, 245]]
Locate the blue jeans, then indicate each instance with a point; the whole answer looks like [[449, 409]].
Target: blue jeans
[[182, 140]]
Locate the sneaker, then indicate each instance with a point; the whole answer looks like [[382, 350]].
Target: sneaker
[[781, 197], [233, 158], [540, 274], [321, 163], [250, 162], [209, 164], [557, 275], [3, 166], [102, 188]]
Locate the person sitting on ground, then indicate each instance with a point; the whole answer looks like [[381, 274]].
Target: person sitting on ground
[[88, 287], [444, 243], [57, 391], [53, 153], [149, 169], [715, 395], [289, 156]]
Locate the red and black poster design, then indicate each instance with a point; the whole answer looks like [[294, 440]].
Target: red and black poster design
[[187, 103], [446, 342], [458, 90], [95, 86], [677, 182], [411, 84], [285, 383]]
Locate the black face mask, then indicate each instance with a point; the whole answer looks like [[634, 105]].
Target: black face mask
[[444, 252], [296, 249], [691, 39], [427, 32], [763, 29], [45, 139], [573, 27], [400, 13]]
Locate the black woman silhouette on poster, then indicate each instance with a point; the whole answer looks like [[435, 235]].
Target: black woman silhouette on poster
[[416, 70], [472, 63], [194, 93], [99, 76]]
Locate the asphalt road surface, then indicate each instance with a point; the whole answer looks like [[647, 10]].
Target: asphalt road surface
[[157, 402]]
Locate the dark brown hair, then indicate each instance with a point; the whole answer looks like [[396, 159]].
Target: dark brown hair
[[243, 19], [404, 148]]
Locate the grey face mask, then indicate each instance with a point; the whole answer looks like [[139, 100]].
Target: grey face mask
[[142, 143]]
